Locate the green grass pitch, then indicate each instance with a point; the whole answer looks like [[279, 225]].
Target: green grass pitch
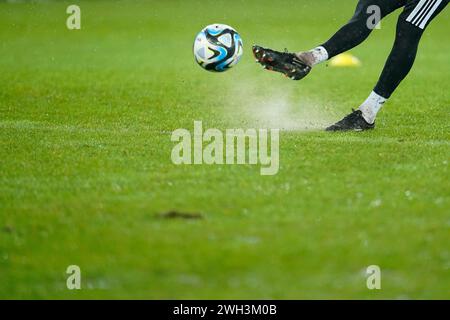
[[86, 118]]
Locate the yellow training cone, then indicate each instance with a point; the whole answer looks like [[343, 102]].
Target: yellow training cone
[[345, 60]]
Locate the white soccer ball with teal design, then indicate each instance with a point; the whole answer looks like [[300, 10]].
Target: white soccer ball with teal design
[[218, 47]]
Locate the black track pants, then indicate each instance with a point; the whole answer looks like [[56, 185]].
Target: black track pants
[[416, 16]]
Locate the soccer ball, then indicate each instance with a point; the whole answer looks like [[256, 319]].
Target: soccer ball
[[218, 47]]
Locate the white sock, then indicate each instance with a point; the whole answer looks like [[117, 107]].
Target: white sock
[[371, 106], [319, 54]]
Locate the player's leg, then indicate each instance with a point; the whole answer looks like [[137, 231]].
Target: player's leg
[[354, 32], [411, 24], [297, 66]]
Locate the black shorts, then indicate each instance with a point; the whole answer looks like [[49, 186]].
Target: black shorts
[[419, 13]]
